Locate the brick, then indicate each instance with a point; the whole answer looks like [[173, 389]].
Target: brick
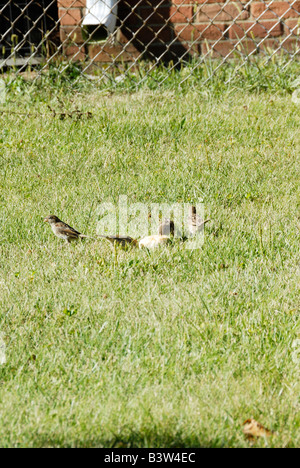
[[164, 14], [190, 50], [292, 26], [207, 1], [107, 53], [181, 14], [186, 32], [275, 10], [77, 53], [180, 2], [211, 31], [122, 37], [69, 17], [71, 3], [223, 48], [261, 30], [220, 2], [71, 34], [126, 43], [221, 13], [290, 44], [199, 32]]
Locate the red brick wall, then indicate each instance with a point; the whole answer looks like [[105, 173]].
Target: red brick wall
[[168, 29]]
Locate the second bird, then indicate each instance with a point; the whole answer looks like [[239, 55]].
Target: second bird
[[195, 223]]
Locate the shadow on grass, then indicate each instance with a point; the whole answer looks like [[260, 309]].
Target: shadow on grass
[[134, 440]]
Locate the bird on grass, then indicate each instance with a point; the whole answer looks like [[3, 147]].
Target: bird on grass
[[195, 223], [166, 227], [166, 231], [63, 230], [123, 241], [152, 242]]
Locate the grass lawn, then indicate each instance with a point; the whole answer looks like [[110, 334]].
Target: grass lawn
[[175, 348]]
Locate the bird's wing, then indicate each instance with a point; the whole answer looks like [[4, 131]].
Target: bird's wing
[[73, 230], [68, 230]]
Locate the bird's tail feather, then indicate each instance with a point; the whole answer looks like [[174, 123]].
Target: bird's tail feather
[[206, 221]]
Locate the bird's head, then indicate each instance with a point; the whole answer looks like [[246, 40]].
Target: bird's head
[[51, 219]]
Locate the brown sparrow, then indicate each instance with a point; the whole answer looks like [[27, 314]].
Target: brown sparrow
[[166, 228], [195, 223], [123, 241], [63, 230]]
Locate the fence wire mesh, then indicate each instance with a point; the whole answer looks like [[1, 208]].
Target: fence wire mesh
[[113, 37]]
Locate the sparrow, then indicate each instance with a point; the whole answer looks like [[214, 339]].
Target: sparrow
[[166, 228], [253, 429], [63, 230], [195, 223], [151, 242], [123, 241]]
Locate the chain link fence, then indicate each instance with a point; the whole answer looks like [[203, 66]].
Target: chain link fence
[[116, 36]]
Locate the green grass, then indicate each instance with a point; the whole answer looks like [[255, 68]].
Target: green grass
[[175, 348], [270, 73]]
